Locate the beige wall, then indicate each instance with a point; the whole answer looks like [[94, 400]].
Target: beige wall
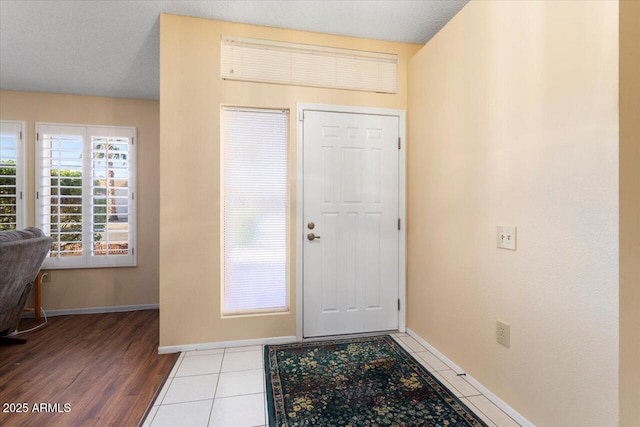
[[513, 120], [104, 287], [629, 213], [191, 93]]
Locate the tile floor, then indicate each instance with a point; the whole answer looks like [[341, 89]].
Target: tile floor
[[226, 387]]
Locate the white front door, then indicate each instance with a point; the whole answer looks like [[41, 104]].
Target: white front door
[[350, 277]]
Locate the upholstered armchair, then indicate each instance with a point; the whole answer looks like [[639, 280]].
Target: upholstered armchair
[[22, 253]]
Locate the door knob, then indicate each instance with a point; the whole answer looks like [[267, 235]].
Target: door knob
[[312, 236]]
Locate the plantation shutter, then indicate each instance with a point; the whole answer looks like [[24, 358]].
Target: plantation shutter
[[60, 196], [85, 194], [112, 206], [255, 185], [11, 175], [271, 61]]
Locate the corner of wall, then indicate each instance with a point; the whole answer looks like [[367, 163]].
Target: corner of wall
[[629, 94]]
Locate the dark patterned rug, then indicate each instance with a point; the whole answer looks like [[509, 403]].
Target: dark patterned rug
[[368, 381]]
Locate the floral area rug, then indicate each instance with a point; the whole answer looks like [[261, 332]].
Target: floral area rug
[[369, 381]]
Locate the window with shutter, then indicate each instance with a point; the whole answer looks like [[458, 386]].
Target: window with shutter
[[255, 189], [11, 175], [85, 194]]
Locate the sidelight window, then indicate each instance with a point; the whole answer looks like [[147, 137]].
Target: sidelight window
[[255, 201]]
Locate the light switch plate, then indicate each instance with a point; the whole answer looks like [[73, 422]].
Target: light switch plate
[[506, 237]]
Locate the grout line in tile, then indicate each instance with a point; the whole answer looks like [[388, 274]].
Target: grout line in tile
[[176, 366], [448, 385], [149, 421], [189, 401], [243, 349], [236, 395], [499, 409], [204, 355], [427, 352], [264, 376], [248, 393], [443, 362], [413, 344], [198, 375], [163, 391], [460, 383], [264, 413], [204, 352], [473, 395], [478, 412], [216, 390], [240, 370], [218, 381], [213, 401], [405, 346]]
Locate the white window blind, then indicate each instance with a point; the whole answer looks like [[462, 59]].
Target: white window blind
[[11, 175], [255, 186], [85, 194], [307, 65]]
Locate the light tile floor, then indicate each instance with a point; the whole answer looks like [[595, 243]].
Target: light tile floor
[[226, 388]]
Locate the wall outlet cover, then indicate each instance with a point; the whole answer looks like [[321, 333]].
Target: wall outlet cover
[[503, 333]]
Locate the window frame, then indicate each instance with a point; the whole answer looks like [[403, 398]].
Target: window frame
[[21, 169], [86, 132], [287, 220]]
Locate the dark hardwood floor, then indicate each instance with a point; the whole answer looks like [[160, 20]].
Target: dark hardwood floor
[[87, 370]]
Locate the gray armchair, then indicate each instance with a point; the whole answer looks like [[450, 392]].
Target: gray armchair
[[22, 253]]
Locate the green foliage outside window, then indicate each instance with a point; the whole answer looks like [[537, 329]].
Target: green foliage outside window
[[66, 201], [66, 207], [7, 195]]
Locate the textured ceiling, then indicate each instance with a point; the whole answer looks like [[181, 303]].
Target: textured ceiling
[[110, 48]]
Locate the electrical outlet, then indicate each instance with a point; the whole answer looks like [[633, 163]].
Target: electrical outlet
[[503, 333]]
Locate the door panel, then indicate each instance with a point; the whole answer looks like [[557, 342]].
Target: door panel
[[350, 277]]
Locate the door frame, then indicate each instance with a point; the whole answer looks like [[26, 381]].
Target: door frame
[[401, 115]]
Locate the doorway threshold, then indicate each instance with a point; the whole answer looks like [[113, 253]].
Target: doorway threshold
[[348, 336]]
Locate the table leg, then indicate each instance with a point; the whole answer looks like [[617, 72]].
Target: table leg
[[36, 296]]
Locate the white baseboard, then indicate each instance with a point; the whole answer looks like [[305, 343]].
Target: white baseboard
[[225, 344], [98, 310], [485, 391]]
